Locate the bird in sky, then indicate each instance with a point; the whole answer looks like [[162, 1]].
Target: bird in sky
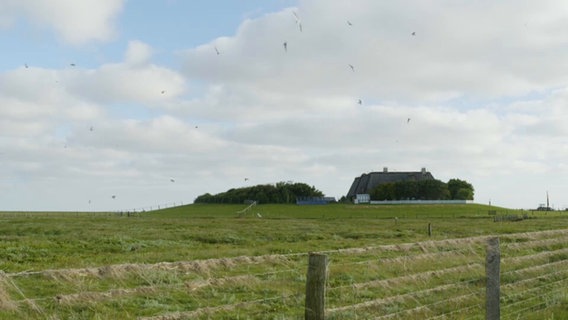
[[352, 67], [298, 21], [408, 120], [26, 65], [172, 180], [359, 101], [72, 64], [163, 91], [349, 23], [113, 196], [414, 33], [285, 44], [91, 128], [246, 179], [217, 51]]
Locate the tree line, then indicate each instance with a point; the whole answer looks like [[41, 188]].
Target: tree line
[[281, 192], [454, 189]]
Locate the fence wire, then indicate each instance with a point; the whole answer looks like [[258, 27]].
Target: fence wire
[[525, 255], [430, 280]]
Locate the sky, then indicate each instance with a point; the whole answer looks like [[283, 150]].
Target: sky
[[134, 104]]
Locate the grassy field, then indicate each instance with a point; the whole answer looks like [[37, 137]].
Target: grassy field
[[204, 261]]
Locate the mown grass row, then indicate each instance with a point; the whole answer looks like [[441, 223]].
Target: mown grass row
[[425, 280], [63, 240]]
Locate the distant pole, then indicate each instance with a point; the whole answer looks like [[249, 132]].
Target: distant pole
[[492, 272], [315, 287], [429, 229], [547, 202]]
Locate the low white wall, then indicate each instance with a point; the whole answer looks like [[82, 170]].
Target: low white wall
[[422, 202]]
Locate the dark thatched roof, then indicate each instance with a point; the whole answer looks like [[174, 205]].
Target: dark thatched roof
[[368, 181]]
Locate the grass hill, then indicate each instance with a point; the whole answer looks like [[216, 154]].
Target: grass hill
[[105, 265]]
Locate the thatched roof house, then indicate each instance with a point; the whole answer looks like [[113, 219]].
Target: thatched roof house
[[368, 181]]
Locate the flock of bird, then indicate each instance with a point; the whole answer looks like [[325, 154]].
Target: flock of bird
[[300, 28], [299, 24], [285, 46], [92, 128]]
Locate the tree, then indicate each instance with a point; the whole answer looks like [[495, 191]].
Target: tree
[[433, 190], [282, 192], [464, 194], [460, 189], [384, 191], [409, 190], [204, 198]]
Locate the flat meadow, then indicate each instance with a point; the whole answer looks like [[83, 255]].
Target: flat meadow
[[210, 262]]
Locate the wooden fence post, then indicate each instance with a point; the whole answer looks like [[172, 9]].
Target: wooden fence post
[[492, 272], [315, 287]]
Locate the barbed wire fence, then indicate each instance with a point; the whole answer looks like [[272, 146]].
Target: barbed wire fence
[[441, 279], [438, 279]]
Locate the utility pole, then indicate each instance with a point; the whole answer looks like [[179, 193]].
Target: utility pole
[[547, 202]]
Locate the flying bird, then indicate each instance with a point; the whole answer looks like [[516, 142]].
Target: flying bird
[[413, 33], [172, 180], [163, 91], [408, 120], [113, 196], [285, 44], [298, 21], [217, 50], [91, 128], [349, 23], [26, 65], [352, 67], [360, 101], [72, 64], [246, 179]]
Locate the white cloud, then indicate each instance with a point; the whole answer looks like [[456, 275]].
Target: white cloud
[[479, 93], [138, 53], [466, 86], [136, 80], [76, 22], [452, 54], [124, 83]]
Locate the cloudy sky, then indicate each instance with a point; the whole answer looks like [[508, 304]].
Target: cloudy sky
[[157, 102]]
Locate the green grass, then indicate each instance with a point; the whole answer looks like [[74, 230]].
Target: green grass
[[186, 259]]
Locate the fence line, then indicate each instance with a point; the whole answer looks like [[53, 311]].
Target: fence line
[[124, 211], [532, 307], [417, 276], [391, 281], [492, 280]]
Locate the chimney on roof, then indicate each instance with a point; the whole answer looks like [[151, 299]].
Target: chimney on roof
[[423, 170], [385, 169]]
